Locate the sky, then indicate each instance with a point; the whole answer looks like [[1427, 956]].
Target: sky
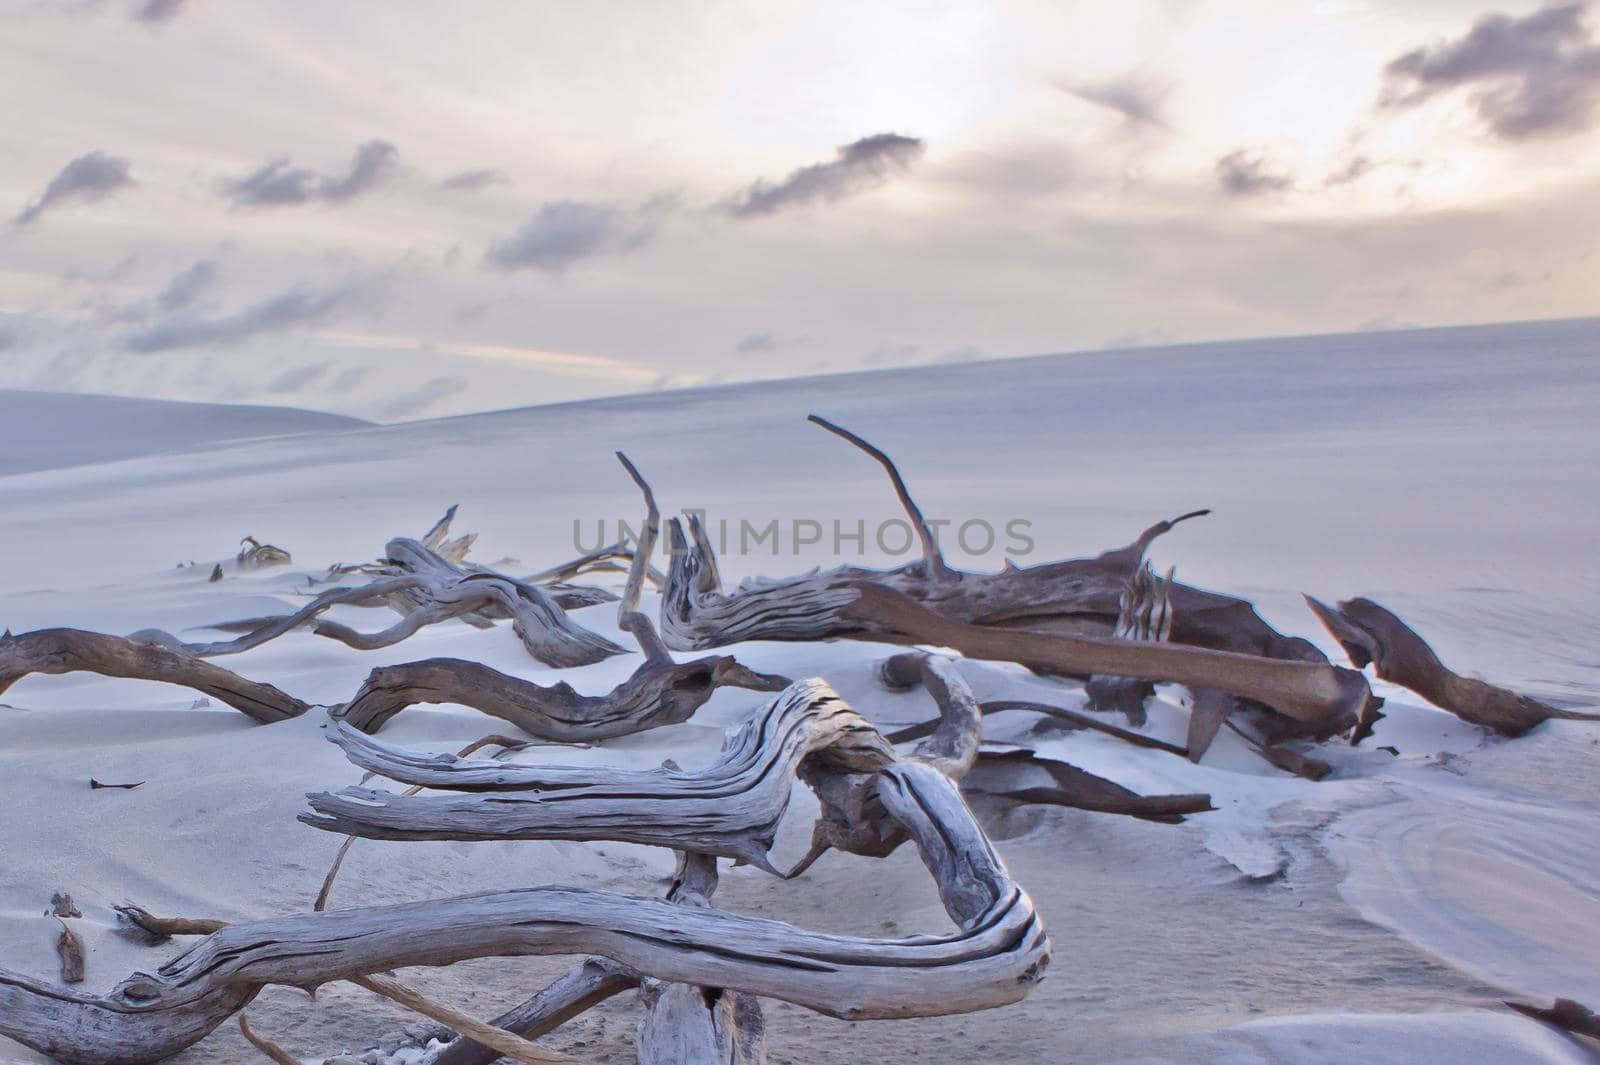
[[396, 209]]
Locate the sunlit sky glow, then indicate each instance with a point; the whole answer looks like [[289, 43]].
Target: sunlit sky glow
[[504, 203]]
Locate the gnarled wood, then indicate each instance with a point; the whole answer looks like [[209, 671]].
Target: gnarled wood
[[57, 651], [1322, 695], [730, 808], [1077, 596], [1370, 633], [998, 952], [653, 696], [588, 984]]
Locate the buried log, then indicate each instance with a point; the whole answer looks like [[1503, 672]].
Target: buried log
[[1076, 596], [994, 957], [1565, 1014], [1327, 698], [57, 651], [253, 554], [1370, 633]]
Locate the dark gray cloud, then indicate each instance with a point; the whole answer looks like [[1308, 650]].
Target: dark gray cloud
[[1357, 168], [410, 404], [349, 379], [757, 342], [1138, 100], [296, 378], [159, 11], [89, 177], [1245, 173], [564, 232], [474, 180], [187, 286], [296, 307], [279, 183], [859, 165], [1534, 75]]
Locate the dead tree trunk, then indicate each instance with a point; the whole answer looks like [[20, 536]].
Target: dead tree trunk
[[1077, 596], [57, 651], [1326, 698]]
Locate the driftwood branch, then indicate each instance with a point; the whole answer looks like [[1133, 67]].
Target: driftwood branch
[[512, 1046], [57, 651], [1073, 597], [997, 953], [653, 696], [272, 1050], [1326, 697], [587, 985], [731, 808], [1564, 1014], [932, 558], [1370, 633]]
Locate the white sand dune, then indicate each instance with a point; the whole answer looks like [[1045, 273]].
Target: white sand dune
[[48, 430], [1453, 474]]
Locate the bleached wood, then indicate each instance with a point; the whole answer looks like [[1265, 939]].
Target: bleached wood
[[512, 1046], [1075, 596], [730, 808], [586, 985], [996, 955], [57, 651]]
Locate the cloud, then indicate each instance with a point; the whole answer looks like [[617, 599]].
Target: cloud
[[474, 180], [8, 339], [757, 342], [1245, 173], [419, 399], [564, 232], [859, 165], [1535, 75], [349, 379], [187, 286], [159, 11], [298, 306], [1138, 100], [279, 182], [888, 353], [1357, 168], [296, 378], [87, 178]]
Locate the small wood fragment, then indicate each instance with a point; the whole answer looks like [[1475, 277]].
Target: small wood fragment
[[265, 1045], [61, 905], [70, 947], [96, 784]]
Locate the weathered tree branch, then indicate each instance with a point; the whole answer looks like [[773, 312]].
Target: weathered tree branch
[[1370, 633], [1075, 597], [585, 986], [1324, 696], [731, 808], [996, 955], [57, 651]]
